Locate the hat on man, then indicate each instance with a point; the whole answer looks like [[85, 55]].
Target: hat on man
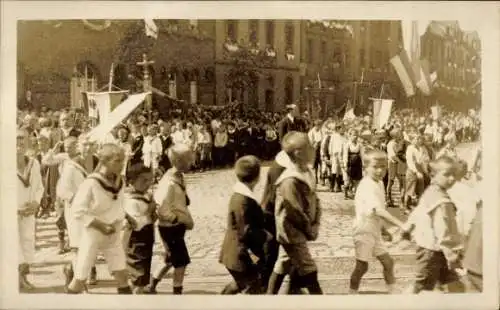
[[291, 107]]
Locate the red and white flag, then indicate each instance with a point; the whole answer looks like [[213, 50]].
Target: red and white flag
[[404, 70]]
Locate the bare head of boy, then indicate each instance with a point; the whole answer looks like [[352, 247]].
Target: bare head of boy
[[297, 146], [181, 156], [443, 171], [247, 170], [375, 162], [140, 177], [111, 158]]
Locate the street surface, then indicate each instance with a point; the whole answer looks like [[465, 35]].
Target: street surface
[[209, 193]]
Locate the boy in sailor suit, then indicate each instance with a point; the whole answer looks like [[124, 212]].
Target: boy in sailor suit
[[98, 205], [152, 149], [29, 194], [297, 214], [245, 236], [139, 228], [73, 172], [173, 213]]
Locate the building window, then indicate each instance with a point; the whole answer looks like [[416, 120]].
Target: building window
[[231, 30], [254, 31], [289, 36], [324, 55], [270, 32], [310, 51]]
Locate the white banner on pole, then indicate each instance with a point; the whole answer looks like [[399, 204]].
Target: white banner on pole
[[436, 112], [116, 117], [381, 111], [105, 102]]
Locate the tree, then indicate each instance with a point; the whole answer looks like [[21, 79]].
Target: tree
[[243, 72]]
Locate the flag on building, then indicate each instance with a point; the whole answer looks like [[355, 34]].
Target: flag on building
[[404, 70], [151, 28]]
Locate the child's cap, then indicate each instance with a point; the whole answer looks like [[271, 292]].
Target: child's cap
[[247, 168]]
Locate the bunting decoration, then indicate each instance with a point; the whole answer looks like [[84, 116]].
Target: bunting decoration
[[97, 27]]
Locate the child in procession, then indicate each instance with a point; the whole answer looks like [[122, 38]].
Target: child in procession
[[435, 231], [139, 227], [173, 213], [370, 209], [297, 214], [29, 195], [98, 204], [245, 235]]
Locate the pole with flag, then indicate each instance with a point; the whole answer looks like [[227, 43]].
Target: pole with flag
[[150, 28]]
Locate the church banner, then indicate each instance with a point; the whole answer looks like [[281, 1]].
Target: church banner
[[381, 111], [116, 116], [104, 102]]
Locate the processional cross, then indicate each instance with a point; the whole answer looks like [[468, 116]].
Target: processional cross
[[146, 83]]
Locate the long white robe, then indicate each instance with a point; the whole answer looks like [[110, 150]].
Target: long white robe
[[31, 192]]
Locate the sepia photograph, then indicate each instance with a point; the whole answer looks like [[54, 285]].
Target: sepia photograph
[[285, 156]]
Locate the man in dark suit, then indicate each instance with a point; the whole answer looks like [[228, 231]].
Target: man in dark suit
[[137, 140], [291, 122], [166, 142]]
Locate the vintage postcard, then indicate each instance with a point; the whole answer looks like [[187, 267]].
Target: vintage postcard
[[200, 149]]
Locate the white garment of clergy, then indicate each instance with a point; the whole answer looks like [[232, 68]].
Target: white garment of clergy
[[72, 176], [93, 201], [315, 136], [33, 192], [177, 137], [151, 151]]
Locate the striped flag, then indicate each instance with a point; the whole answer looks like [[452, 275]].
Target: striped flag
[[404, 70], [151, 28]]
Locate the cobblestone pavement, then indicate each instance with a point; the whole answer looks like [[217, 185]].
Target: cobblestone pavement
[[209, 193]]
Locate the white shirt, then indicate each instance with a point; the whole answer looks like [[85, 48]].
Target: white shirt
[[465, 199], [370, 197], [414, 158], [71, 177], [34, 191], [138, 210], [315, 136], [92, 201], [151, 151], [177, 137]]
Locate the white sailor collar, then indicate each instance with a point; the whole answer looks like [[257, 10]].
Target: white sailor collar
[[244, 190]]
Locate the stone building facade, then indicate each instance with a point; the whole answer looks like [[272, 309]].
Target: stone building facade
[[456, 57]]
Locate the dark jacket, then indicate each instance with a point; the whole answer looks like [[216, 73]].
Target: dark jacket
[[137, 143], [269, 197], [286, 125], [245, 231]]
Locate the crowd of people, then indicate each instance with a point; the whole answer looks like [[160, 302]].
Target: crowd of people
[[109, 196]]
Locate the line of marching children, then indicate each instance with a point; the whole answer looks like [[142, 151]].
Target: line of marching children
[[264, 241]]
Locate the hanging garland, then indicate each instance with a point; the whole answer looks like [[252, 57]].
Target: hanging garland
[[97, 27]]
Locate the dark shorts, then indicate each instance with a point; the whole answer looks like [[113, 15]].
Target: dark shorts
[[173, 238], [140, 254], [432, 268]]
